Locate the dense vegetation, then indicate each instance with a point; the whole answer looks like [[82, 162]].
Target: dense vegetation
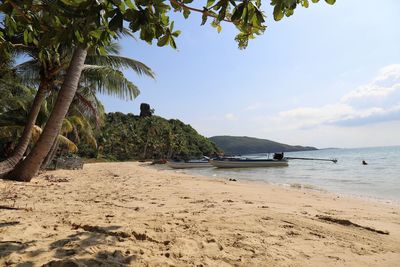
[[240, 145], [44, 30], [125, 137]]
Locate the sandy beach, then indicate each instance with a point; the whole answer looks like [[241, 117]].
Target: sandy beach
[[131, 214]]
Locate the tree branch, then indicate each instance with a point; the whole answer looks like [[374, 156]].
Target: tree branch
[[18, 10], [198, 10]]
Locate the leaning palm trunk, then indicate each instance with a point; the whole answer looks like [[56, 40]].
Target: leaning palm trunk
[[26, 169], [18, 153], [50, 156]]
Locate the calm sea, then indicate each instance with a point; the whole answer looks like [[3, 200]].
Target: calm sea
[[379, 179]]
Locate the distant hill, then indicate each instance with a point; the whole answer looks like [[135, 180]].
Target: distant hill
[[241, 145]]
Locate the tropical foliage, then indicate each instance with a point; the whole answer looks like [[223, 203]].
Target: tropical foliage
[[101, 74], [44, 26], [127, 137]]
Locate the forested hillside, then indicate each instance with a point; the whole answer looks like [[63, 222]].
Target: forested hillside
[[239, 145], [127, 137]]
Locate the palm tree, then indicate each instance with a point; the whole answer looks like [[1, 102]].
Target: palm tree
[[105, 77], [13, 119]]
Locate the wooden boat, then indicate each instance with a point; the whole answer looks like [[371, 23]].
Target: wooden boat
[[202, 163], [248, 163]]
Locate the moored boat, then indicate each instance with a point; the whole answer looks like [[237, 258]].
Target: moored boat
[[248, 163], [200, 163]]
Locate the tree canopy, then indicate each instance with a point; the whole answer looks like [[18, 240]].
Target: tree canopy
[[95, 22], [45, 25]]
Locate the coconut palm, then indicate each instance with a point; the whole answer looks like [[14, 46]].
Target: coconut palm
[[12, 120], [101, 73]]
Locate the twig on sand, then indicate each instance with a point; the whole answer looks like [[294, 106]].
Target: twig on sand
[[350, 223], [3, 207]]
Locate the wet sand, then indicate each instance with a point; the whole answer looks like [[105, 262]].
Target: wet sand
[[130, 214]]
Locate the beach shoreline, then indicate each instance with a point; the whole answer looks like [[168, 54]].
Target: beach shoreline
[[130, 214], [294, 186]]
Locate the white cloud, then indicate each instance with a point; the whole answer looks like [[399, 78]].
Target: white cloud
[[370, 90], [374, 102], [372, 118], [388, 72], [384, 84]]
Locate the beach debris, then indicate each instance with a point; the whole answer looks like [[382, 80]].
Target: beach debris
[[3, 207], [100, 230], [232, 180], [55, 179], [4, 224], [350, 223], [143, 237]]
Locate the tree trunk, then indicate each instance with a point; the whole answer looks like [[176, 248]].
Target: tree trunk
[[145, 149], [26, 169], [49, 158], [18, 153]]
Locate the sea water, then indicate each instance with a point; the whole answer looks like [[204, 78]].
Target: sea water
[[379, 179]]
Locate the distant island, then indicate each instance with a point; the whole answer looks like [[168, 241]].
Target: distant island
[[240, 145]]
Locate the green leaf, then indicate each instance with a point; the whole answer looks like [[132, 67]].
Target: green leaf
[[278, 13], [78, 36], [204, 18], [210, 3], [176, 33], [186, 13], [172, 43], [176, 6], [26, 37], [116, 23], [163, 40], [129, 4], [237, 12]]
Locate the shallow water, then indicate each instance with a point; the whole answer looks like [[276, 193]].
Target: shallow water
[[379, 179]]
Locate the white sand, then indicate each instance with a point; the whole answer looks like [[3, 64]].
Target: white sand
[[127, 214]]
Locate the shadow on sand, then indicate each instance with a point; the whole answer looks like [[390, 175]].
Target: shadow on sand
[[83, 248]]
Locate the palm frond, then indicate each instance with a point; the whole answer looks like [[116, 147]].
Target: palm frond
[[119, 62], [28, 72], [68, 143], [10, 131], [67, 126], [126, 32], [109, 81], [113, 48], [89, 105], [37, 131]]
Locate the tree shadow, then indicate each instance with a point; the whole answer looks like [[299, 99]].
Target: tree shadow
[[89, 246], [8, 247], [100, 259]]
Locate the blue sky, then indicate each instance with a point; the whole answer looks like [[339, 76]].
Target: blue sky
[[329, 76]]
